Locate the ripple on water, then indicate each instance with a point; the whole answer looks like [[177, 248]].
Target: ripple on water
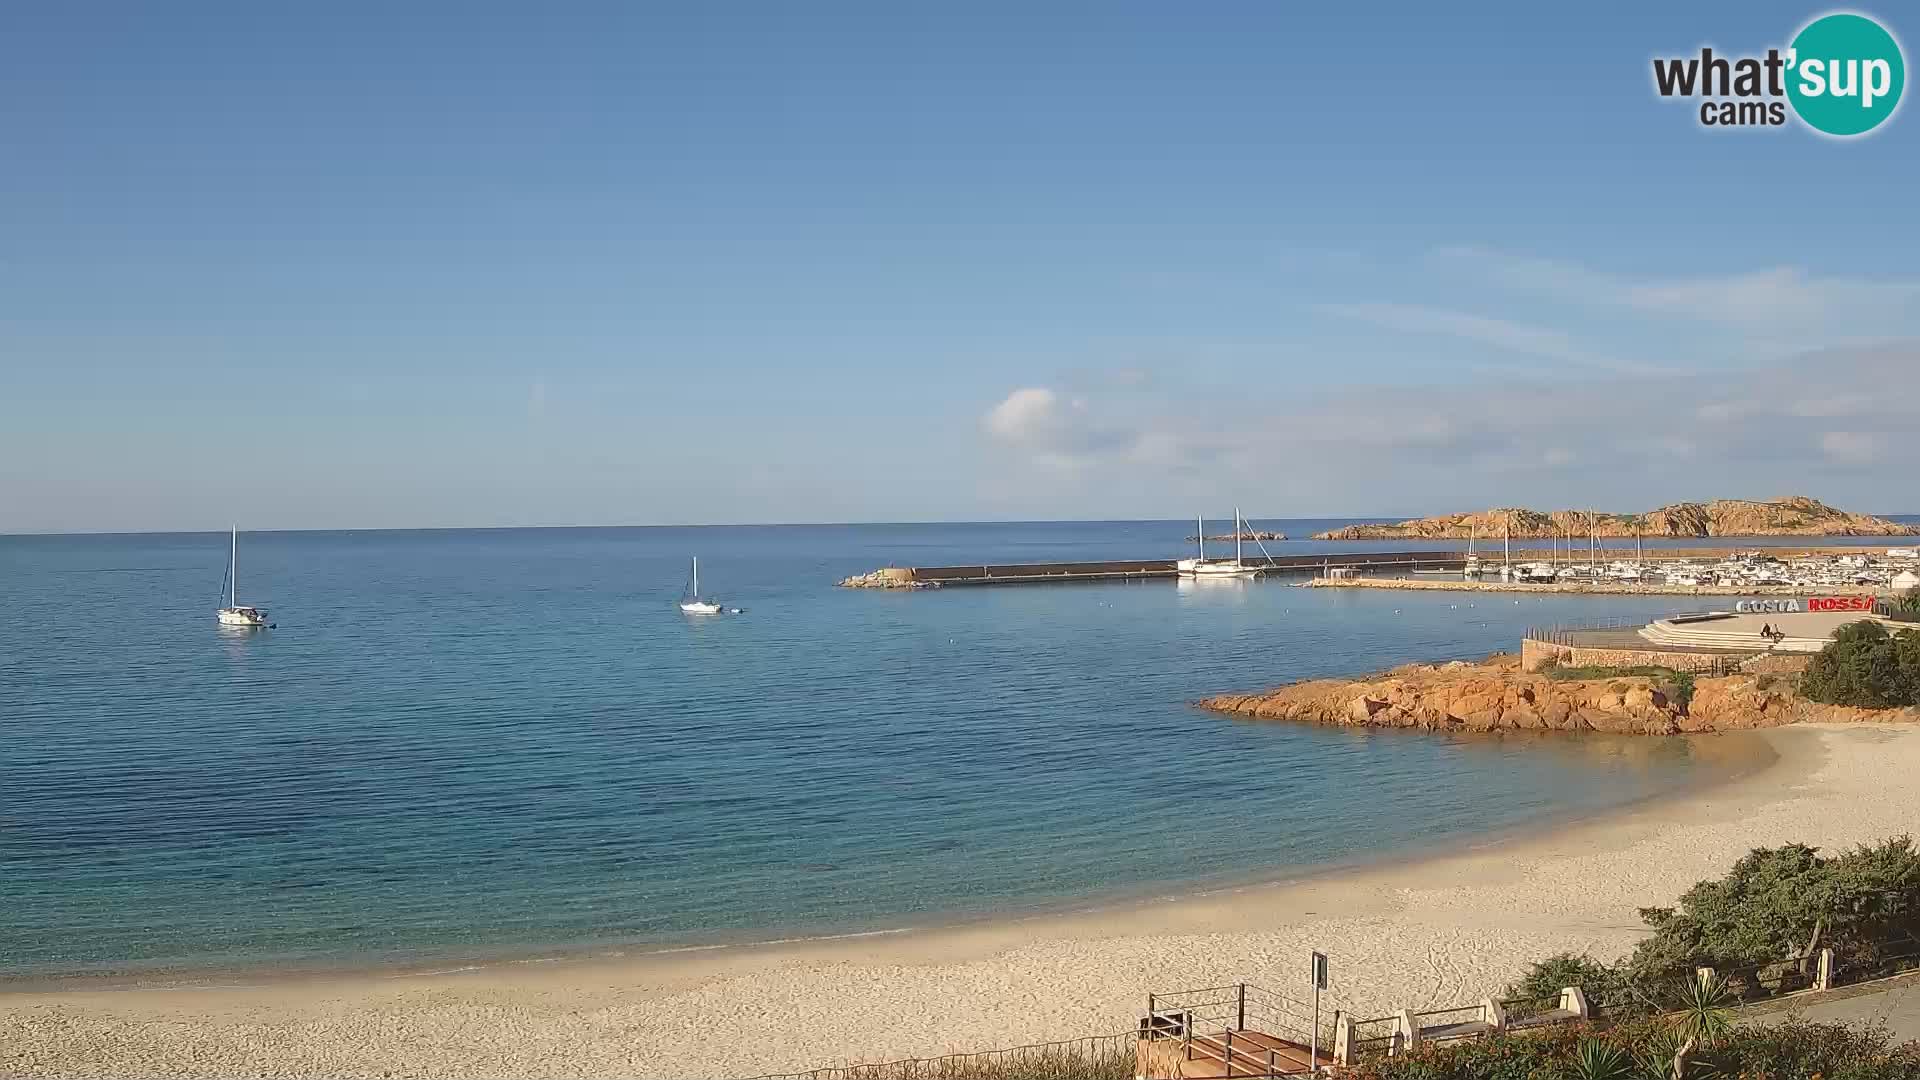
[[475, 743]]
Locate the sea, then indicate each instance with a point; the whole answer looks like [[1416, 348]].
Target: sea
[[456, 746]]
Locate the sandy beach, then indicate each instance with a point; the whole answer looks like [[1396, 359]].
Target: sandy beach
[[1435, 931]]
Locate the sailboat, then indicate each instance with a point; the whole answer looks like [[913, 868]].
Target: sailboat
[[234, 614], [693, 605], [1204, 567]]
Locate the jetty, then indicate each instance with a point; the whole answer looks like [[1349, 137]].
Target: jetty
[[924, 577]]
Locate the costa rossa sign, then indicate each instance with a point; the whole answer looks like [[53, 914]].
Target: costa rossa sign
[[1813, 603], [1840, 603]]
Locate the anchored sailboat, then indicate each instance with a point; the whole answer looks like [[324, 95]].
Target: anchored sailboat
[[693, 604], [1204, 567], [234, 614]]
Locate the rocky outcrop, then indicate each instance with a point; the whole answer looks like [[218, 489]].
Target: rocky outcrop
[[892, 577], [1792, 516], [1496, 696]]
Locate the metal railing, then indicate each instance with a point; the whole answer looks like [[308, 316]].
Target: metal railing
[[1230, 1025], [1455, 1023], [1563, 633], [1903, 958], [1378, 1037], [1776, 978], [1522, 1008]]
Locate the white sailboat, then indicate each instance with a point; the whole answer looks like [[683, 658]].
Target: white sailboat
[[693, 604], [1203, 567], [234, 614]]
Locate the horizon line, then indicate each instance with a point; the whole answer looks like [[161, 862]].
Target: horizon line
[[1359, 519]]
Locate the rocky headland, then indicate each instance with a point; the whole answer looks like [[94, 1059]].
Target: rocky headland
[[1496, 696], [1792, 516]]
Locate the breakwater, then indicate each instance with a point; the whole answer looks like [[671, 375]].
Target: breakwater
[[923, 577]]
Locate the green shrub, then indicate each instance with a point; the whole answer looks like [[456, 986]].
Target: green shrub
[[1546, 1055], [1792, 1050], [1797, 1048], [1541, 985], [1778, 903], [1867, 667], [1677, 685], [1907, 606]]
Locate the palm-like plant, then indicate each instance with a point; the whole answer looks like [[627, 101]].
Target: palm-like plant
[[1660, 1056], [1602, 1059], [1701, 1021], [1703, 1015]]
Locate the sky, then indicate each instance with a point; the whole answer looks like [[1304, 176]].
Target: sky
[[361, 265]]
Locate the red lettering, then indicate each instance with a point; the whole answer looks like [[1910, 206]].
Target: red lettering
[[1840, 603]]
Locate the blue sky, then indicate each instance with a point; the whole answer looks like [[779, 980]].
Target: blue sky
[[469, 264]]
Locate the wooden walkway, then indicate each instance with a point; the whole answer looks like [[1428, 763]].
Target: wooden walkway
[[1231, 1055]]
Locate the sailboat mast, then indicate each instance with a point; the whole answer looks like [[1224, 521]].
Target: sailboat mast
[[233, 568], [696, 577], [1236, 535], [1200, 534]]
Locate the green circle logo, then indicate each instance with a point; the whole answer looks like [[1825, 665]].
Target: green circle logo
[[1845, 74]]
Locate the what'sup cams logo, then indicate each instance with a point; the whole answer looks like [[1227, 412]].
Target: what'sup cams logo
[[1842, 76]]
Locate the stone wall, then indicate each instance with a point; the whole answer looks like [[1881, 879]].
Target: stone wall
[[1535, 654]]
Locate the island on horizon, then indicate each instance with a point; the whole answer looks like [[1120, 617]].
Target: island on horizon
[[1794, 515]]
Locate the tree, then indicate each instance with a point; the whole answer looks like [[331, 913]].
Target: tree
[[1780, 904]]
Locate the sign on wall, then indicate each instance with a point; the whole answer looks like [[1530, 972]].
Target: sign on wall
[[1813, 603]]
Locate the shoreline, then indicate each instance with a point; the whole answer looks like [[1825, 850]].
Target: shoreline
[[1749, 757], [1441, 929]]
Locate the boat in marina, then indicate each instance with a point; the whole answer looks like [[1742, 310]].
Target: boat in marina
[[1203, 567], [235, 613]]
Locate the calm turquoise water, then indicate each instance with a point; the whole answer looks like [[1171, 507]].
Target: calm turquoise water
[[476, 743]]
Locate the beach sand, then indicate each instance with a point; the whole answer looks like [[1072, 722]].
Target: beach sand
[[1436, 931]]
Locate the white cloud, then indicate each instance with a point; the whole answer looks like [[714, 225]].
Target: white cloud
[[1514, 337], [1025, 416], [1851, 447], [1826, 424], [1058, 430], [1771, 299]]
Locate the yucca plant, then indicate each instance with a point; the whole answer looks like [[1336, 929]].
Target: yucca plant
[[1701, 1021], [1703, 1015], [1657, 1056], [1602, 1059]]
